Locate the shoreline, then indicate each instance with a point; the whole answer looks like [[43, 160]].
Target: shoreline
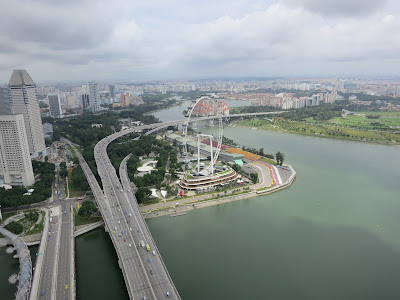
[[320, 136], [221, 200], [35, 239]]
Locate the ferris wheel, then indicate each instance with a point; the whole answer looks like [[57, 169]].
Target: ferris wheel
[[214, 156]]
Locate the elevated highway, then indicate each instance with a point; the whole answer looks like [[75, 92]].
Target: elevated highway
[[126, 230], [158, 270]]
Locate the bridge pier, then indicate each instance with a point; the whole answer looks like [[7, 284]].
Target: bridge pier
[[13, 279], [10, 250]]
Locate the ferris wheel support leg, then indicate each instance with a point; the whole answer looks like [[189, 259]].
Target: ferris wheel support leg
[[198, 153], [211, 159]]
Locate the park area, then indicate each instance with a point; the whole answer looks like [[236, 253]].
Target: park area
[[373, 127]]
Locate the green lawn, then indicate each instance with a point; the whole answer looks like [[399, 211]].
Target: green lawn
[[38, 227], [360, 121], [268, 160], [332, 130]]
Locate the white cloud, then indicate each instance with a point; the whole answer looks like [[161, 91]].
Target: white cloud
[[168, 39]]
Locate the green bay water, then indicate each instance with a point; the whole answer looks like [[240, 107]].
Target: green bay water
[[331, 235]]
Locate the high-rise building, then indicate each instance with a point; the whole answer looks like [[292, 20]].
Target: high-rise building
[[85, 101], [316, 98], [85, 89], [94, 96], [23, 100], [15, 161], [112, 90], [5, 108], [70, 100], [54, 106]]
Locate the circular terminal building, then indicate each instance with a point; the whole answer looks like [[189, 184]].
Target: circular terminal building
[[195, 180]]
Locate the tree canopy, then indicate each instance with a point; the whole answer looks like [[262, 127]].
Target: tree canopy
[[87, 209]]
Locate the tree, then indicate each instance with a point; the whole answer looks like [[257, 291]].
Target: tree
[[87, 209], [261, 152], [254, 177], [64, 173], [142, 194], [63, 165], [14, 227], [236, 167], [280, 158]]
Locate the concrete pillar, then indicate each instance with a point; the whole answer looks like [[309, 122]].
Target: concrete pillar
[[198, 153], [211, 155]]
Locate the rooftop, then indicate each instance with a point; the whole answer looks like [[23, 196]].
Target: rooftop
[[19, 78]]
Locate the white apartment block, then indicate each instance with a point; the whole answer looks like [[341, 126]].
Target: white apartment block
[[55, 106], [15, 160], [94, 96], [23, 100]]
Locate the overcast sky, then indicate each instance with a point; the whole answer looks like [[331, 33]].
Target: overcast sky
[[57, 40]]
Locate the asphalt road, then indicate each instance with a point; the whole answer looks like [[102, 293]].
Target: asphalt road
[[64, 254], [127, 230], [159, 278], [57, 254], [48, 269], [147, 277]]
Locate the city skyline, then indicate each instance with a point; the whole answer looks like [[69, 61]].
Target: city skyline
[[174, 40]]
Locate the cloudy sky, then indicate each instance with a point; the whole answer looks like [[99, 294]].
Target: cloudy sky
[[58, 40]]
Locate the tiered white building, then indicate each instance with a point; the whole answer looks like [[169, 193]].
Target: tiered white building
[[23, 100], [21, 131], [15, 160]]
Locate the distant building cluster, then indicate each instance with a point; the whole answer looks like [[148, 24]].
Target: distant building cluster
[[283, 100], [98, 96], [127, 100], [210, 108]]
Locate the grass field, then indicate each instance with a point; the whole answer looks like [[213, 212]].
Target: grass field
[[356, 128], [268, 161], [38, 227], [361, 121]]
